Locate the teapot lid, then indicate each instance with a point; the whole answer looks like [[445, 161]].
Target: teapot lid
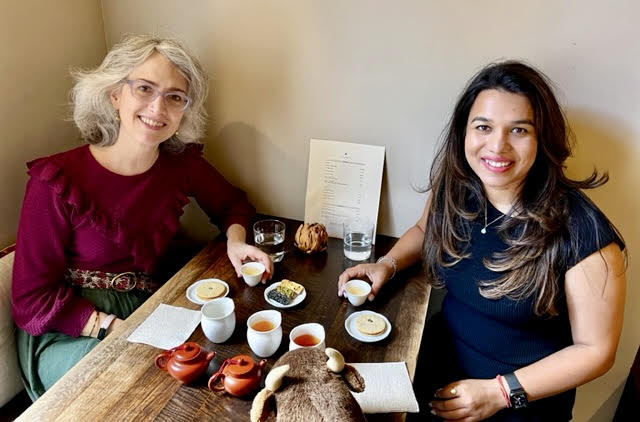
[[240, 365], [187, 351]]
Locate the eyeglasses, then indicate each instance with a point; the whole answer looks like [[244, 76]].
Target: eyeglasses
[[147, 93]]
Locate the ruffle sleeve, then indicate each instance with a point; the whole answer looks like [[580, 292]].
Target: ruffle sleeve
[[146, 242], [41, 301]]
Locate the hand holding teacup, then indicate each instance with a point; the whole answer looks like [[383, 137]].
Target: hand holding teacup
[[357, 291], [252, 272], [378, 273], [240, 252]]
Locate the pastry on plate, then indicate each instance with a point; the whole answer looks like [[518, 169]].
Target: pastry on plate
[[210, 290], [370, 324]]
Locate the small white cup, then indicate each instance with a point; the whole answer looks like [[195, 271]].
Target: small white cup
[[357, 291], [265, 343], [252, 272], [316, 330], [218, 319]]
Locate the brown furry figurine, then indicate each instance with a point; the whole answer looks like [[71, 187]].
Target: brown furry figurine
[[304, 386]]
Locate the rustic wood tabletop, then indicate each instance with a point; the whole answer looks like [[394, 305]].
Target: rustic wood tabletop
[[119, 381]]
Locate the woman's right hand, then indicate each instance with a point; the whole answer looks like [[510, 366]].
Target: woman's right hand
[[378, 273]]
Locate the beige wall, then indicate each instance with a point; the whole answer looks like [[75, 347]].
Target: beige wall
[[377, 72], [40, 40]]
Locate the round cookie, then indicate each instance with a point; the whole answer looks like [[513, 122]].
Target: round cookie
[[209, 290], [370, 324]]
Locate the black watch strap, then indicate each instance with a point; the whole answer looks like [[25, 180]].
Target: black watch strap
[[102, 333], [517, 396]]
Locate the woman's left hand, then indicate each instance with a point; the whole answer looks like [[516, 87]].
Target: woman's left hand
[[240, 252], [468, 400]]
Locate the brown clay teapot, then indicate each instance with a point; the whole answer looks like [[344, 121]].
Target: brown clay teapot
[[185, 362], [238, 376]]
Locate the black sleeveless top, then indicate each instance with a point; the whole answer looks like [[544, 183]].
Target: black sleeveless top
[[492, 337]]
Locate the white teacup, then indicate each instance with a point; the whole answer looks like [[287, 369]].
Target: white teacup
[[310, 335], [357, 291], [264, 332], [252, 272], [218, 319]]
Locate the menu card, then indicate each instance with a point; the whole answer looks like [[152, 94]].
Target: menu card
[[344, 181]]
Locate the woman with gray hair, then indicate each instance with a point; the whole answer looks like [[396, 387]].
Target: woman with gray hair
[[96, 220]]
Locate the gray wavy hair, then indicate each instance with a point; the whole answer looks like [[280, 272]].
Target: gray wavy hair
[[93, 112]]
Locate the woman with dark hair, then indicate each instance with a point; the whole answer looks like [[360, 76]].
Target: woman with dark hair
[[535, 273], [96, 220]]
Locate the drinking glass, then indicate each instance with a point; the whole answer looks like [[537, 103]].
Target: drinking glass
[[357, 236], [269, 237]]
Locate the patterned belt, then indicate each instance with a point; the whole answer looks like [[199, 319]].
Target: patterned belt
[[121, 282]]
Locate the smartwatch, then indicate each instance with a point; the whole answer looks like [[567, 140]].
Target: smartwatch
[[517, 396]]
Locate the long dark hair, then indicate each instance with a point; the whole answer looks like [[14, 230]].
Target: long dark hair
[[529, 264]]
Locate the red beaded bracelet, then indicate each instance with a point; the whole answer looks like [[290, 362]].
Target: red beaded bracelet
[[504, 392]]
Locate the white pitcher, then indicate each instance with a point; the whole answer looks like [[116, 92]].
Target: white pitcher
[[218, 319]]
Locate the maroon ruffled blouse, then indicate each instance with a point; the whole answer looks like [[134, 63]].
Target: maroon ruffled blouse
[[78, 214]]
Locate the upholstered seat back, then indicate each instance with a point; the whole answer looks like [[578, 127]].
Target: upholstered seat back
[[10, 383]]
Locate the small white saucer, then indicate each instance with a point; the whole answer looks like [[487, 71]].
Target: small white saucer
[[193, 297], [350, 326], [294, 302]]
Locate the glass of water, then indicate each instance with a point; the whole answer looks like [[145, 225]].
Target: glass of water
[[269, 237], [356, 236]]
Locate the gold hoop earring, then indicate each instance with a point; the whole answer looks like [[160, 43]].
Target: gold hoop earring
[[176, 134]]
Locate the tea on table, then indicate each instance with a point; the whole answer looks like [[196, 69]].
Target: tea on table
[[355, 291], [306, 340], [251, 271], [263, 325]]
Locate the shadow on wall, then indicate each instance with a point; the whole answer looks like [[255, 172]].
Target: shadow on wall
[[608, 145], [385, 212], [270, 175]]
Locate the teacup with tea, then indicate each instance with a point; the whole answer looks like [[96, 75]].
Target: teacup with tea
[[357, 291], [310, 335], [252, 273], [264, 332]]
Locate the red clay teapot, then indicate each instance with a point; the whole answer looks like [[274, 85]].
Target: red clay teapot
[[185, 362], [238, 376]]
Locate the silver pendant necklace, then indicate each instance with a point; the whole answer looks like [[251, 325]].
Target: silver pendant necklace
[[484, 229]]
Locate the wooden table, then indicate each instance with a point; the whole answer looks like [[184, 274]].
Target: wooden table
[[118, 380]]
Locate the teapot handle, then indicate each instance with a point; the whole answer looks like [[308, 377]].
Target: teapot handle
[[217, 378], [162, 358]]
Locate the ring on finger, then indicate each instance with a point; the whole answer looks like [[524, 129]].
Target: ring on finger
[[453, 391]]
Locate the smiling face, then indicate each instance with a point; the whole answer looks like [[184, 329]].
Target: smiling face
[[149, 123], [500, 143]]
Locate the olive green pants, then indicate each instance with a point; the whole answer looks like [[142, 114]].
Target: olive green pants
[[46, 358]]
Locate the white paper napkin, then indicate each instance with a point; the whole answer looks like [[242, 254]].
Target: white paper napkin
[[167, 327], [387, 388]]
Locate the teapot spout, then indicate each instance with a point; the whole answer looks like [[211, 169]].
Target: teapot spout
[[210, 356]]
